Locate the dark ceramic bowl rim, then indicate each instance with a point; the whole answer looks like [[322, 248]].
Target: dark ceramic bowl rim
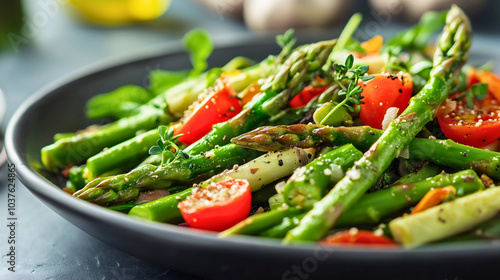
[[51, 195]]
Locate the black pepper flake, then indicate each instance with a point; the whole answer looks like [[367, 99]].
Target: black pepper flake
[[484, 140], [464, 154], [191, 166], [371, 132], [439, 218], [400, 90], [280, 162], [309, 156]]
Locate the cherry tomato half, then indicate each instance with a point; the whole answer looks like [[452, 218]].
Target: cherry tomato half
[[218, 206], [357, 237], [381, 93], [478, 126], [306, 95], [217, 107]]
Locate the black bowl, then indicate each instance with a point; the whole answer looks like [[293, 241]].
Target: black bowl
[[59, 108]]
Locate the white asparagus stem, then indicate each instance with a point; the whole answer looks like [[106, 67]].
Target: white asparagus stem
[[267, 168], [446, 219]]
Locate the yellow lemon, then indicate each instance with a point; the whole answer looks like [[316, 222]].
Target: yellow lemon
[[115, 12]]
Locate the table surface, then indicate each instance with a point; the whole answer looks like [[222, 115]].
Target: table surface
[[49, 247]]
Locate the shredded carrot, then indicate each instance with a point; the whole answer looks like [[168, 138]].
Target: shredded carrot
[[433, 198], [373, 45]]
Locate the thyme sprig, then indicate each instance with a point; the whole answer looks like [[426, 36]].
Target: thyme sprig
[[347, 77], [167, 147]]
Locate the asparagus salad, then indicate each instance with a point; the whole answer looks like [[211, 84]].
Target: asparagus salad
[[387, 142]]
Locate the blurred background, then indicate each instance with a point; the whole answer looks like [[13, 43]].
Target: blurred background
[[44, 40]]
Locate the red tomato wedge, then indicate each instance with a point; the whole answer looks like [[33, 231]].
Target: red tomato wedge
[[306, 95], [218, 206], [381, 93], [475, 127], [219, 106], [358, 237]]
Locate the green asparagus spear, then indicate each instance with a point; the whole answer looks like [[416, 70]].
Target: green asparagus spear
[[280, 230], [446, 219], [258, 223], [118, 188], [376, 205], [302, 66], [267, 168], [299, 69], [451, 52], [259, 172], [162, 109], [306, 186], [382, 203], [75, 149], [426, 171], [442, 152], [125, 100], [161, 210], [130, 151], [309, 183]]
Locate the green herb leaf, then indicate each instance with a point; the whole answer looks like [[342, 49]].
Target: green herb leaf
[[286, 38], [200, 45], [160, 145], [476, 92], [479, 91], [161, 80], [166, 146], [349, 61], [155, 150], [363, 69], [162, 130], [124, 99], [366, 78], [183, 155], [169, 133]]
